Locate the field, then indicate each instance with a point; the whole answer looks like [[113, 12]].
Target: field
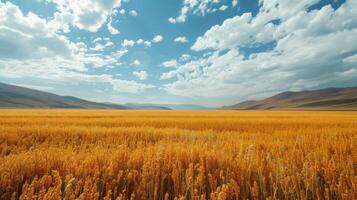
[[103, 154]]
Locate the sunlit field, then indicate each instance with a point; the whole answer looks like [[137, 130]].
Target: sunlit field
[[72, 154]]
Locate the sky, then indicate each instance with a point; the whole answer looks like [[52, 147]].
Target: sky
[[207, 52]]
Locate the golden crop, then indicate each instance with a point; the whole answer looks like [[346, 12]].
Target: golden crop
[[100, 154]]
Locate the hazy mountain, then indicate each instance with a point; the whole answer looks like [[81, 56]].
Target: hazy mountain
[[325, 99], [146, 106], [169, 106], [20, 97]]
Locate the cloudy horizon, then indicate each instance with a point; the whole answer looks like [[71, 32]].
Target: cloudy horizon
[[207, 52]]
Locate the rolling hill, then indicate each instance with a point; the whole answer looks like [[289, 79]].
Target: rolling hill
[[12, 96], [324, 99]]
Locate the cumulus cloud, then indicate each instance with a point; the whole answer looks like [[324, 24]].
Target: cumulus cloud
[[88, 15], [311, 49], [185, 57], [139, 41], [170, 63], [136, 62], [24, 37], [168, 75], [246, 30], [223, 7], [133, 13], [119, 53], [173, 63], [230, 33], [141, 75], [157, 38], [128, 43], [100, 45], [32, 48], [181, 40], [146, 43]]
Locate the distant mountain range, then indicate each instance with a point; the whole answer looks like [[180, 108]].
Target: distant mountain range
[[19, 97], [168, 106], [12, 96], [146, 106], [324, 99]]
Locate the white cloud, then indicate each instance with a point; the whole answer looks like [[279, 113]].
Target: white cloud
[[130, 86], [139, 41], [136, 62], [128, 43], [157, 38], [147, 43], [109, 44], [172, 20], [85, 14], [168, 75], [229, 34], [122, 11], [184, 57], [223, 7], [131, 43], [170, 63], [37, 40], [181, 39], [44, 55], [119, 53], [313, 49], [144, 42], [98, 47], [29, 36], [234, 3], [100, 44], [246, 30], [173, 62], [111, 29], [98, 39], [141, 75], [133, 13], [197, 7]]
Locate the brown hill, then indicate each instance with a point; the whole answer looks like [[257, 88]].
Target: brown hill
[[12, 96], [324, 99]]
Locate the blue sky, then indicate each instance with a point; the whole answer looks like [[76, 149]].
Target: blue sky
[[209, 52]]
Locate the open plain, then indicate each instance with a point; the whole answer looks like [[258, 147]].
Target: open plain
[[107, 154]]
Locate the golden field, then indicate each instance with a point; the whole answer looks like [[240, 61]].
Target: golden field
[[103, 154]]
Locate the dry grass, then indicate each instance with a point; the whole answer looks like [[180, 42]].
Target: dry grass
[[71, 154]]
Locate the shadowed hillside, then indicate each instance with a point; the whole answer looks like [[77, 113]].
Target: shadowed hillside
[[325, 99], [19, 97]]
